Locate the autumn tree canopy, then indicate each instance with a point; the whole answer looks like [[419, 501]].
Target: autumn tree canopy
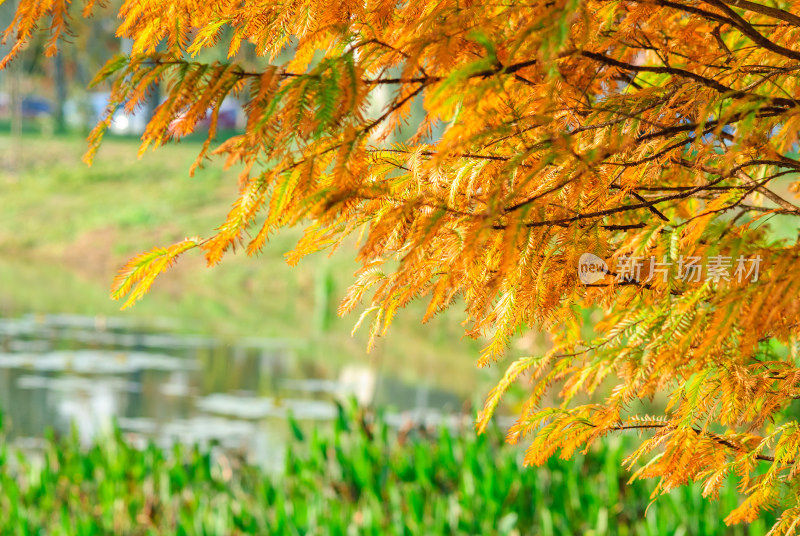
[[658, 136]]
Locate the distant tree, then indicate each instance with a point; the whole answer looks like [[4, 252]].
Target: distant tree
[[630, 157]]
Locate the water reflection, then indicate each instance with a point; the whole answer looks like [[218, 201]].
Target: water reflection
[[59, 369]]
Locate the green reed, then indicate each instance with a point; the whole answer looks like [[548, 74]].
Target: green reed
[[357, 476]]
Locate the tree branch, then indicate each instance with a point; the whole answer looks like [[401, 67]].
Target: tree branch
[[775, 13], [716, 438]]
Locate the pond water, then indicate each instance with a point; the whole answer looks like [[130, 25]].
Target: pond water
[[159, 384]]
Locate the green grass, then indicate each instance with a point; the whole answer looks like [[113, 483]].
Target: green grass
[[358, 478]]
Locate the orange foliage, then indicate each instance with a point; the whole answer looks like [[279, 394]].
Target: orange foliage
[[645, 132]]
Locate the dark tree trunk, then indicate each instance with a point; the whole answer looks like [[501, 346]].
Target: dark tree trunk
[[61, 91]]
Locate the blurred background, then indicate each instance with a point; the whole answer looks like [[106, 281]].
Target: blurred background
[[219, 353]]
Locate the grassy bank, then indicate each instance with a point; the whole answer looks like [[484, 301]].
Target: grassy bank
[[359, 478], [65, 229]]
